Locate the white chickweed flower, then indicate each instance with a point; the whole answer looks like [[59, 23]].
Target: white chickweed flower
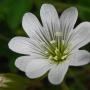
[[53, 46]]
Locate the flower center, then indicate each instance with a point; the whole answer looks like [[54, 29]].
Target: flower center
[[55, 53], [57, 50]]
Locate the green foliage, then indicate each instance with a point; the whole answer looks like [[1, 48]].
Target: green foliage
[[13, 11]]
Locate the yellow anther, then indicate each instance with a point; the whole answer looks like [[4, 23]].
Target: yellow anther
[[50, 57], [56, 50], [63, 57], [56, 58], [66, 51]]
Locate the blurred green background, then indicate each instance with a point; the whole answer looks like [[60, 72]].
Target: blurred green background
[[11, 13]]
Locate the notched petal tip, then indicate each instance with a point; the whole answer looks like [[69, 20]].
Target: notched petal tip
[[79, 58], [31, 24], [20, 45], [11, 42], [22, 62], [27, 14], [57, 73], [46, 5], [82, 25], [37, 68], [72, 9], [49, 17]]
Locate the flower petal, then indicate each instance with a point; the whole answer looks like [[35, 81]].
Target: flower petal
[[23, 61], [31, 24], [37, 68], [20, 45], [81, 35], [57, 73], [27, 46], [67, 21], [50, 19], [81, 57]]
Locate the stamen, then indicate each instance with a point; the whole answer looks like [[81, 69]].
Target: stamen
[[50, 57], [58, 34], [56, 58], [46, 52], [64, 57], [53, 41], [56, 51], [42, 43], [66, 51]]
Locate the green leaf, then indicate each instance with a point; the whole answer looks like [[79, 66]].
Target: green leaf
[[84, 12], [13, 10], [16, 11], [85, 3]]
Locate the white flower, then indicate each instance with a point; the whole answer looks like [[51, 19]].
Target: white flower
[[52, 47]]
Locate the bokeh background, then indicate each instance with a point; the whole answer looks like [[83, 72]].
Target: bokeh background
[[11, 13]]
